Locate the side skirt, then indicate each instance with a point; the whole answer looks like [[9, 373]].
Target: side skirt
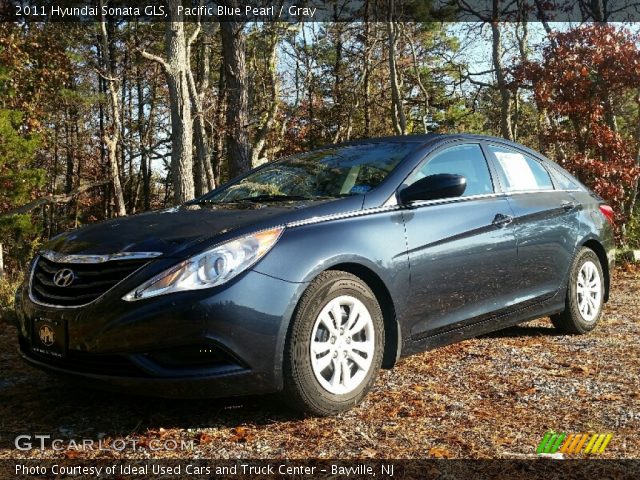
[[549, 306]]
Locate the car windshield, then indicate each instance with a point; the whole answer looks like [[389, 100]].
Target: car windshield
[[327, 173]]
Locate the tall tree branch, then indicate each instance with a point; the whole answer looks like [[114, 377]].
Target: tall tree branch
[[53, 199]]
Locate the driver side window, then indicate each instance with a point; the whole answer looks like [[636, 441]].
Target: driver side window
[[466, 160]]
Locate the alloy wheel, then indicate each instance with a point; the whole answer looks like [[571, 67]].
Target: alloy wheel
[[589, 291], [342, 345]]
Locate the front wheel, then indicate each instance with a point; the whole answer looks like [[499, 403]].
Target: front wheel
[[335, 345], [585, 295]]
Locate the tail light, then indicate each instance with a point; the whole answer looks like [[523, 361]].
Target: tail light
[[607, 211]]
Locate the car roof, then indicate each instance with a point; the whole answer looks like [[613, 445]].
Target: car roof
[[422, 139], [425, 138]]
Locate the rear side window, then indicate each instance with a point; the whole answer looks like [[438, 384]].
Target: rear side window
[[520, 172], [466, 160], [563, 179]]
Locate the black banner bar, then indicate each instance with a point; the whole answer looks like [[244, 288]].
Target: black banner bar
[[321, 10], [197, 469]]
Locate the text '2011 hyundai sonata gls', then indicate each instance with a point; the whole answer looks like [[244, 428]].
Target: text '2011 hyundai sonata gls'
[[308, 274]]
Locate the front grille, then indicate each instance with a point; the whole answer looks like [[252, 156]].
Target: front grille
[[90, 280]]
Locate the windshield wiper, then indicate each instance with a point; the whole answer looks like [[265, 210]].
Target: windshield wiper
[[267, 198], [273, 198]]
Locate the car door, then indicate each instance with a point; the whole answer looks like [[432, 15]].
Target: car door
[[462, 251], [546, 221]]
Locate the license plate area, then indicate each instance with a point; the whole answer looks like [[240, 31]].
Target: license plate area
[[49, 337]]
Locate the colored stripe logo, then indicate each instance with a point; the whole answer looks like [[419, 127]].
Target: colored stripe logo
[[590, 443]]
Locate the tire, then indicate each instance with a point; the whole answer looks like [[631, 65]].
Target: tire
[[581, 315], [347, 357]]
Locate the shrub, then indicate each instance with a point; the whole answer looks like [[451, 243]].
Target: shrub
[[8, 286]]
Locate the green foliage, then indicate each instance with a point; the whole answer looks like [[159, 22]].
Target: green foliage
[[8, 287], [18, 178], [633, 230], [18, 181]]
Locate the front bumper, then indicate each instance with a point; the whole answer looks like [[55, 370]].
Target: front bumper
[[219, 342]]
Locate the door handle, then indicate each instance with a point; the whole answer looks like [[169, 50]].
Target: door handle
[[501, 220], [568, 205]]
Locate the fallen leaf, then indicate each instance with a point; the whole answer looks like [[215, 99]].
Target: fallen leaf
[[440, 452], [204, 438], [240, 435], [369, 453], [71, 454]]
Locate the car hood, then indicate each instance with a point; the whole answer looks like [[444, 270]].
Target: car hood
[[175, 230]]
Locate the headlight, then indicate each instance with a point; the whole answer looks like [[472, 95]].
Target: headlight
[[210, 268]]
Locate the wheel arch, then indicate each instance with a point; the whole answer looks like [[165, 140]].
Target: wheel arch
[[598, 249], [392, 344]]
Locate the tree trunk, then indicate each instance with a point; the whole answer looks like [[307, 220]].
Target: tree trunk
[[270, 116], [218, 133], [203, 171], [367, 70], [398, 116], [522, 37], [237, 138], [143, 128], [112, 133], [181, 122], [426, 98], [633, 196], [338, 78], [505, 94], [176, 69], [69, 153]]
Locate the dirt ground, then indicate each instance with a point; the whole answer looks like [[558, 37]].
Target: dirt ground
[[490, 397]]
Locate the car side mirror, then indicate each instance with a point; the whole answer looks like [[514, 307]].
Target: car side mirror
[[434, 187]]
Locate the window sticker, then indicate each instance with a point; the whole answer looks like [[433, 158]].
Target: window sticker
[[360, 189], [517, 170]]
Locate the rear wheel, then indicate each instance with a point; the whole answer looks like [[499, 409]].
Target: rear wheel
[[335, 345], [585, 295]]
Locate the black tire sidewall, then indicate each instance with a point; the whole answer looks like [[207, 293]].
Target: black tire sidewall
[[300, 381], [579, 323]]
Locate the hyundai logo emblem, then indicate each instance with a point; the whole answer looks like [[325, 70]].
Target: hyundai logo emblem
[[64, 277]]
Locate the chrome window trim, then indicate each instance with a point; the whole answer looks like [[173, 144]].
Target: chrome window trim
[[524, 192], [422, 203], [71, 258], [340, 216], [389, 206]]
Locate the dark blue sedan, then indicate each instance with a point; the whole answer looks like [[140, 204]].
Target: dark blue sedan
[[307, 275]]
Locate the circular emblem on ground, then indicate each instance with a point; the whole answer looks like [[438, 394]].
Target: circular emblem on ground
[[64, 277], [47, 335]]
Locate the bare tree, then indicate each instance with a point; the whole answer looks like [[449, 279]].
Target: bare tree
[[112, 133], [493, 17], [176, 67], [506, 129], [203, 170], [235, 73], [398, 115], [272, 33]]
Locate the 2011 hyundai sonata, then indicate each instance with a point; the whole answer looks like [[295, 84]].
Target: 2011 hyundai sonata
[[309, 274]]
